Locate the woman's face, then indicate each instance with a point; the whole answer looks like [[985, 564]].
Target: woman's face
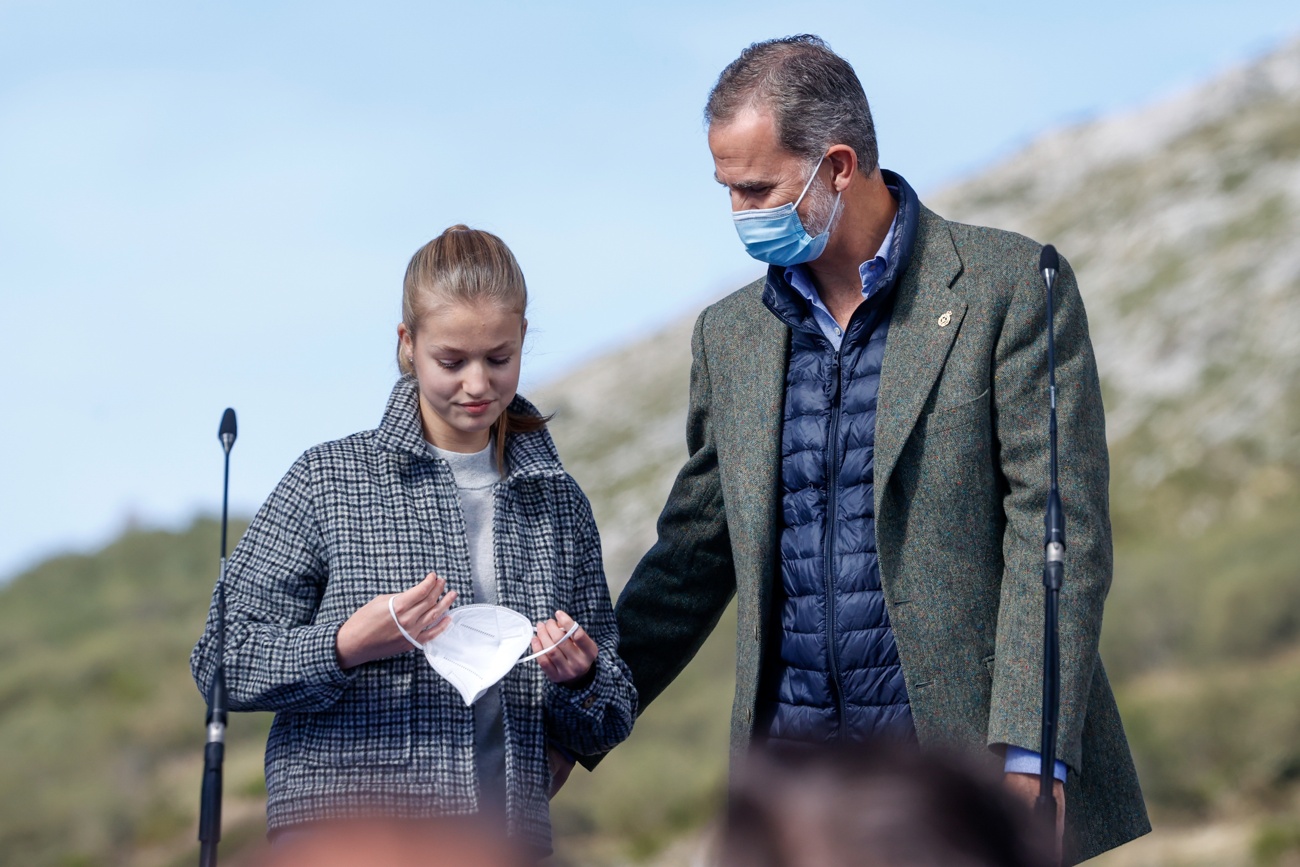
[[466, 359]]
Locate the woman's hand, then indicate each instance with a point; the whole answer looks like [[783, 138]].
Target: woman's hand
[[572, 663], [370, 633]]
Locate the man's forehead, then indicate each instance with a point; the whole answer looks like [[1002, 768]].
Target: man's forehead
[[747, 152]]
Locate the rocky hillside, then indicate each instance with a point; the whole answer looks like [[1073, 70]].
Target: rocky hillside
[[1182, 221]]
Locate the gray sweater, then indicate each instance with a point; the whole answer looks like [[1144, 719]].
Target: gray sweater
[[475, 475]]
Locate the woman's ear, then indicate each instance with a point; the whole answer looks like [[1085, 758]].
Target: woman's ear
[[524, 330], [404, 336]]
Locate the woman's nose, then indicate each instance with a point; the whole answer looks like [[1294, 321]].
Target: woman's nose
[[476, 379]]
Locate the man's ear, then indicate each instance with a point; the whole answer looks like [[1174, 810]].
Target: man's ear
[[844, 163]]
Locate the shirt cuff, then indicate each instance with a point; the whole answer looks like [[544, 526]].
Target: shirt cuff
[[1023, 761]]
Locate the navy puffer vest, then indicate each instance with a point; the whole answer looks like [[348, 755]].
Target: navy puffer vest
[[836, 673]]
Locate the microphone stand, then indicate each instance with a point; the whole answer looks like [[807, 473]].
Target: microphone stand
[[214, 752], [1053, 576]]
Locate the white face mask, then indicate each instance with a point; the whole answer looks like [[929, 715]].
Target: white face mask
[[481, 646]]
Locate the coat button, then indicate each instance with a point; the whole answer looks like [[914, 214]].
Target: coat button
[[588, 702], [945, 319]]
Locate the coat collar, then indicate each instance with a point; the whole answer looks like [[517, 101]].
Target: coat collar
[[527, 454]]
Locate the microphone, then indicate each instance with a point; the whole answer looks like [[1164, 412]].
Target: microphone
[[1049, 264], [226, 433], [214, 751]]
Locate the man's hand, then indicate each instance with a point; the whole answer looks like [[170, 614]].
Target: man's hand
[[561, 767], [1025, 788]]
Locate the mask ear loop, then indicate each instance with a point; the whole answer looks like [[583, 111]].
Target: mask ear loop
[[564, 638], [417, 645], [811, 178]]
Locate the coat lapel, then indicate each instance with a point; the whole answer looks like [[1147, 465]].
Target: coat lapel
[[754, 358], [927, 315]]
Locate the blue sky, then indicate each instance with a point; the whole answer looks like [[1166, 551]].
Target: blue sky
[[211, 205]]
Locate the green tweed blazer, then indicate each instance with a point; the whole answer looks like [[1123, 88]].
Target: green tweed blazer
[[961, 480]]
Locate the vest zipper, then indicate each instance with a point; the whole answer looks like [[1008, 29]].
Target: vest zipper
[[832, 506]]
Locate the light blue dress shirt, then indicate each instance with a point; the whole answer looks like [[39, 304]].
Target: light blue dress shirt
[[1018, 760], [800, 279]]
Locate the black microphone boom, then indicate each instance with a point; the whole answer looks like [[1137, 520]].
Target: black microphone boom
[[1053, 570], [214, 751]]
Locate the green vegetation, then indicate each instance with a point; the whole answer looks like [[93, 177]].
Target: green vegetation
[[101, 727]]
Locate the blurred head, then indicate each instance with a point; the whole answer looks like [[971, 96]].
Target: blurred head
[[863, 806], [459, 842], [462, 333]]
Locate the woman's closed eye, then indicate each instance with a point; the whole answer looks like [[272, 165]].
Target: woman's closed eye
[[499, 361]]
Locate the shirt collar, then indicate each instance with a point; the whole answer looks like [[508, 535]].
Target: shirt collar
[[870, 271]]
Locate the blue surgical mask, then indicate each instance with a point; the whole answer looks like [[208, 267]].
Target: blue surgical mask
[[777, 235]]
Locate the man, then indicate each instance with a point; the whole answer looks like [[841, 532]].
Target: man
[[868, 465]]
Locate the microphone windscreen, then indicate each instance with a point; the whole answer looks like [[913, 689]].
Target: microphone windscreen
[[228, 426], [1049, 261]]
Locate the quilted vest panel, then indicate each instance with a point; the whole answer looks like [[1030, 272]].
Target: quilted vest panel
[[836, 673]]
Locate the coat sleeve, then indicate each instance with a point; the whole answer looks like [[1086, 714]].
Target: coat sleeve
[[594, 718], [681, 587], [277, 657], [1021, 408]]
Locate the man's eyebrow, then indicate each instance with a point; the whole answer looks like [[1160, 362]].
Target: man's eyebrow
[[744, 186]]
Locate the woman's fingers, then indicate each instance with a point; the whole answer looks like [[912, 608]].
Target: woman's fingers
[[434, 620], [433, 630], [419, 598], [568, 660], [581, 640]]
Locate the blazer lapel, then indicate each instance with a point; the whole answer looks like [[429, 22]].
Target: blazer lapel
[[927, 315], [753, 356]]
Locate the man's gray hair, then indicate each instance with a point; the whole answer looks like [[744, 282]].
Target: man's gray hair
[[813, 93]]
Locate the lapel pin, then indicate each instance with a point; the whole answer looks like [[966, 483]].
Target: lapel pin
[[945, 319]]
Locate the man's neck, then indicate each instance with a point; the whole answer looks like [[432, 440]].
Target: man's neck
[[869, 210]]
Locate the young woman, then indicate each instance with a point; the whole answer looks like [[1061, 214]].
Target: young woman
[[457, 497]]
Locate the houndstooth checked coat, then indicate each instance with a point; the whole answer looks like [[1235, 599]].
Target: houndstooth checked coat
[[372, 514]]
